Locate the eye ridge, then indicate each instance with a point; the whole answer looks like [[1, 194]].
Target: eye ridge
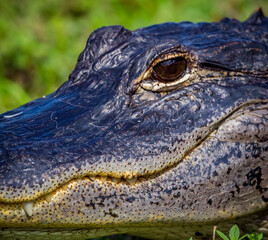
[[169, 70]]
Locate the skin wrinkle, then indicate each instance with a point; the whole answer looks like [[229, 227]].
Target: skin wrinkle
[[193, 169]]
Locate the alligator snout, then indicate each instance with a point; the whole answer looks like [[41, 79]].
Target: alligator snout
[[169, 121]]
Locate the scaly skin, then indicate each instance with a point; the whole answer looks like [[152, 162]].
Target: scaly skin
[[117, 149]]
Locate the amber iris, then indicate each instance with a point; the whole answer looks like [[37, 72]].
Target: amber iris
[[169, 70]]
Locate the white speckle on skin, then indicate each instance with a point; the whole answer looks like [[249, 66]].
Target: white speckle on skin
[[13, 115]]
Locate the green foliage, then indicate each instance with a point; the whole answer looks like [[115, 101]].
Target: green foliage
[[7, 89], [234, 234], [255, 236], [41, 40]]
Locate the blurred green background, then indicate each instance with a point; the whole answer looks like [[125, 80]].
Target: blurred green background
[[41, 40]]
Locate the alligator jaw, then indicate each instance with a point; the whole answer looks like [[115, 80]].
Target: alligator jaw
[[172, 110], [150, 199], [90, 189]]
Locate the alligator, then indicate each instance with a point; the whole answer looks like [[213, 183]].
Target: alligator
[[160, 132]]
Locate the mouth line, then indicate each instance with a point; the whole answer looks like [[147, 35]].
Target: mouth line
[[130, 182], [158, 172]]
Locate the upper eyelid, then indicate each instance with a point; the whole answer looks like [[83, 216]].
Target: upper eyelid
[[162, 58], [168, 56]]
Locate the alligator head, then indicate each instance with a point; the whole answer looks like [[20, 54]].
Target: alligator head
[[159, 132]]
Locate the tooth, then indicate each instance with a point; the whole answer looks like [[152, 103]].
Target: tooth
[[92, 177], [115, 180], [28, 208], [65, 187], [103, 178], [85, 178], [48, 197], [131, 181]]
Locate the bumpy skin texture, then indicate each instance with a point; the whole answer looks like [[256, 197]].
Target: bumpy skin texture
[[197, 145]]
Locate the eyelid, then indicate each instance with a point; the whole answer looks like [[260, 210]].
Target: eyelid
[[162, 58], [156, 86], [168, 56]]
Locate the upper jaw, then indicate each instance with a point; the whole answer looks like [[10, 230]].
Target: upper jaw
[[140, 141]]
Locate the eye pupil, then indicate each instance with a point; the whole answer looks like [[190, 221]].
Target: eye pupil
[[169, 70]]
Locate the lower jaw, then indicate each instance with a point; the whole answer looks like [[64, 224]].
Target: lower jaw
[[255, 222]]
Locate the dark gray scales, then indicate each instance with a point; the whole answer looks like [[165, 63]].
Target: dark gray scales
[[175, 107]]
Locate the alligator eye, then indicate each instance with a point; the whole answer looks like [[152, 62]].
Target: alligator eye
[[169, 70]]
